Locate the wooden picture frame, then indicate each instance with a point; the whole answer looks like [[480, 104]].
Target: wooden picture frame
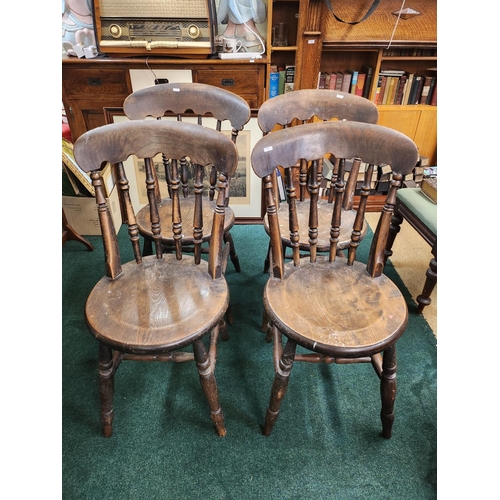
[[246, 188]]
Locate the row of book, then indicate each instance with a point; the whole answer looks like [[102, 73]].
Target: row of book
[[350, 81], [393, 86], [409, 52], [403, 87], [281, 80]]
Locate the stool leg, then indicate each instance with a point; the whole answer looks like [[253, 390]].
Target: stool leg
[[431, 279], [394, 229], [232, 252]]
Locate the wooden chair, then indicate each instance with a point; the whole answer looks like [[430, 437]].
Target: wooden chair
[[303, 106], [340, 309], [153, 306], [421, 213], [201, 103]]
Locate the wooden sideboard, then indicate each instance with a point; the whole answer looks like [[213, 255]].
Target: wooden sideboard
[[89, 85]]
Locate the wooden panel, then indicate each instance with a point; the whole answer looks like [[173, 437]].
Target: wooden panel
[[379, 26], [426, 134], [94, 82], [247, 81], [419, 123], [86, 114], [402, 118]]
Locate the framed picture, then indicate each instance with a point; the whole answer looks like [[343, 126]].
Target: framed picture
[[246, 187]]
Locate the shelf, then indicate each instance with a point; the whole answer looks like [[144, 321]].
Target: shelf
[[289, 48]]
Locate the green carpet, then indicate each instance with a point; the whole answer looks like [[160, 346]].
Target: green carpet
[[326, 443]]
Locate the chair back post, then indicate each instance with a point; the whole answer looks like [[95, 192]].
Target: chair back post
[[111, 248], [215, 252], [376, 260], [277, 257]]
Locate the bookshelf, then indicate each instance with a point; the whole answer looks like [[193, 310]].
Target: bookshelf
[[287, 12], [320, 43]]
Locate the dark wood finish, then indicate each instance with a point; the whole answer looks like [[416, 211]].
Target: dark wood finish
[[404, 212], [300, 107], [68, 233], [379, 27], [89, 85], [150, 307], [340, 309], [309, 44], [204, 101]]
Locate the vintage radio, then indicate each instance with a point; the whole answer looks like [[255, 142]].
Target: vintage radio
[[155, 27]]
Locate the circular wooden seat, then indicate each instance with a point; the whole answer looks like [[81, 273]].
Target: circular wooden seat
[[157, 306], [187, 213], [324, 222], [309, 306]]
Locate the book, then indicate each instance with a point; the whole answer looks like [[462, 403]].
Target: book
[[368, 71], [398, 99], [354, 80], [425, 90], [380, 90], [321, 80], [431, 90], [407, 90], [346, 82], [392, 72], [281, 185], [434, 98], [333, 81], [418, 90], [429, 188], [415, 84], [338, 82], [274, 77], [390, 90], [360, 84], [281, 81], [289, 78]]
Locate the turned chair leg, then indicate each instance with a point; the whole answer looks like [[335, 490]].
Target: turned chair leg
[[209, 386], [394, 229], [388, 390], [232, 252], [267, 261], [280, 385], [147, 248], [106, 388], [430, 282]]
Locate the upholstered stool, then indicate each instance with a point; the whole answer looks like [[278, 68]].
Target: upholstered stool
[[421, 213]]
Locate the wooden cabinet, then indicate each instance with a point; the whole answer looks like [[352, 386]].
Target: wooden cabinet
[[319, 42], [316, 42], [89, 85]]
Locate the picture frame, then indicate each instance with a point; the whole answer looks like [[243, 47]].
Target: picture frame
[[246, 187]]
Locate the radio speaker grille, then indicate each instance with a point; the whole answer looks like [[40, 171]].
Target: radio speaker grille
[[160, 9]]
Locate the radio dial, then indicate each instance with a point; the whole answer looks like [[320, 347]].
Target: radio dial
[[193, 31], [115, 31]]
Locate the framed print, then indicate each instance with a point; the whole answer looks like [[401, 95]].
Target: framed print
[[245, 188]]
